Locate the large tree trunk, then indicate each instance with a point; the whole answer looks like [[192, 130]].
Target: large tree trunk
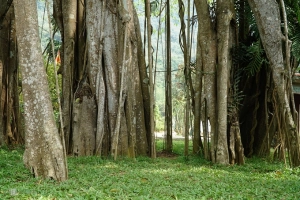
[[208, 46], [121, 126], [267, 17], [92, 75], [216, 37], [44, 154]]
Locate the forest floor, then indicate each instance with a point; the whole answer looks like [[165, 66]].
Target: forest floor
[[161, 135], [166, 177]]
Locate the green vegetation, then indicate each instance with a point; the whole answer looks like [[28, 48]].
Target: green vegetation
[[167, 177]]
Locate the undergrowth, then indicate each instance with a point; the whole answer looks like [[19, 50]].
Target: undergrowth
[[175, 177]]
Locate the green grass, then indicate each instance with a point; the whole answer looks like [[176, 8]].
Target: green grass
[[144, 178]]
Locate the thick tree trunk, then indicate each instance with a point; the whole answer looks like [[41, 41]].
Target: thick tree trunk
[[216, 38], [95, 68], [208, 46], [43, 154], [112, 59], [268, 21]]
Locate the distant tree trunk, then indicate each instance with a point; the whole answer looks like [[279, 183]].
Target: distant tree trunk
[[151, 84], [168, 82], [44, 154], [185, 39], [267, 17]]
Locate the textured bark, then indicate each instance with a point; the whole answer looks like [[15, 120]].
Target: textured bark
[[143, 88], [95, 16], [84, 120], [69, 10], [1, 108], [138, 114], [208, 45], [197, 143], [216, 38], [168, 82], [10, 126], [235, 145], [43, 154], [121, 126], [268, 21], [4, 54], [225, 13]]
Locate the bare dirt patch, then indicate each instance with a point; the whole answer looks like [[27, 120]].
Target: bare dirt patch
[[166, 154]]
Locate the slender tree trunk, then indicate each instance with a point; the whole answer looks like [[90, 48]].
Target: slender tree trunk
[[43, 154], [197, 143], [168, 106], [69, 12], [225, 13], [151, 85]]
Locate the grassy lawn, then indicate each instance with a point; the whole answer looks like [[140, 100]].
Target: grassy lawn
[[144, 178]]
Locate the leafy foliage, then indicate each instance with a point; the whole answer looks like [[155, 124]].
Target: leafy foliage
[[255, 53], [251, 58], [296, 42], [52, 87], [293, 15]]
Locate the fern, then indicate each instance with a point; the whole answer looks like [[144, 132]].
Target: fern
[[250, 58], [257, 58]]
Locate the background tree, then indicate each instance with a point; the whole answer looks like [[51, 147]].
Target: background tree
[[11, 131]]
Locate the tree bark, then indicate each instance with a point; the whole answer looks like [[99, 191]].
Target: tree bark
[[10, 126], [121, 126], [168, 82], [225, 12], [43, 154], [197, 143], [267, 17], [208, 46], [69, 17]]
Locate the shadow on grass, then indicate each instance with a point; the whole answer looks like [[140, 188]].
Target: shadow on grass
[[177, 177]]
